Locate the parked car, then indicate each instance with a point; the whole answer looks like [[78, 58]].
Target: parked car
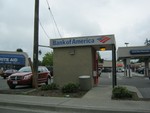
[[8, 72], [24, 77], [141, 70], [106, 69], [120, 69]]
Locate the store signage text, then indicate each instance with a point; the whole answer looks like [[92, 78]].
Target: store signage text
[[8, 59], [144, 51], [12, 59], [72, 42]]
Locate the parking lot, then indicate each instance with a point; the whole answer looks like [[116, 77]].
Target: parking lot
[[138, 80], [4, 88]]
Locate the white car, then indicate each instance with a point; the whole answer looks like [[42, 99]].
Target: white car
[[120, 69]]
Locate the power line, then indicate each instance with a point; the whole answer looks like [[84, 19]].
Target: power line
[[43, 29], [53, 18]]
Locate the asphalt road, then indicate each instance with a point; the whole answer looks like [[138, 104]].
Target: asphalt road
[[3, 84], [139, 81], [4, 88]]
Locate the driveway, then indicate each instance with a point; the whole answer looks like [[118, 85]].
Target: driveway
[[139, 81]]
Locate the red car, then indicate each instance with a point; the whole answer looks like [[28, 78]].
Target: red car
[[24, 77]]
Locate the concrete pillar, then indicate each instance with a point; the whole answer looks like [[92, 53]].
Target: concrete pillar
[[125, 67], [147, 73], [114, 77], [129, 71]]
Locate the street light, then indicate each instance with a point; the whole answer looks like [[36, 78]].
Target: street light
[[102, 48], [126, 44]]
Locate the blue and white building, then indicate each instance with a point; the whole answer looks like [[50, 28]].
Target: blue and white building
[[15, 60]]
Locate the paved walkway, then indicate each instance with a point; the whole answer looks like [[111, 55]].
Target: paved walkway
[[97, 100]]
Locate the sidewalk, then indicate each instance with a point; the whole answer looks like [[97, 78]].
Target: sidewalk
[[137, 74], [97, 100]]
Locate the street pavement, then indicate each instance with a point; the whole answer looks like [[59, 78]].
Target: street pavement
[[97, 100], [139, 81]]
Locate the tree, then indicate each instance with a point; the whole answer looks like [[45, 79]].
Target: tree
[[48, 59], [100, 60], [19, 50], [147, 42]]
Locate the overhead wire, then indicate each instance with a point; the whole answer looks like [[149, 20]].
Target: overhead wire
[[43, 29], [53, 18]]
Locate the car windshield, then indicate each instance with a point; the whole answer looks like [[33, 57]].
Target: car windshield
[[8, 71], [25, 69]]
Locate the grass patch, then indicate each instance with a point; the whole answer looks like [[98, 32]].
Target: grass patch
[[123, 93]]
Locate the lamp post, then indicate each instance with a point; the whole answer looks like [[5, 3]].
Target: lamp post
[[126, 44]]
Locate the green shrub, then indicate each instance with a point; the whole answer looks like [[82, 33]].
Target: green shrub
[[44, 87], [70, 88], [121, 93], [52, 86]]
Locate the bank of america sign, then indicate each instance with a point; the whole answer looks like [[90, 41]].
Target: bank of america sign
[[81, 41]]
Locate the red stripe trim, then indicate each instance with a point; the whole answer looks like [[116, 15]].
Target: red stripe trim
[[104, 39]]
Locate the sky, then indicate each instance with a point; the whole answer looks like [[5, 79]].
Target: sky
[[128, 20]]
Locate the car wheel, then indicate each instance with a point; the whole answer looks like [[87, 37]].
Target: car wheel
[[12, 86]]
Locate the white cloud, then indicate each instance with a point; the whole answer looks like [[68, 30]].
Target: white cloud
[[127, 19]]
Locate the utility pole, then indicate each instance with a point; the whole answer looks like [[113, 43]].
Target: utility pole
[[35, 51]]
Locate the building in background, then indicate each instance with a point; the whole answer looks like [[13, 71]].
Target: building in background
[[13, 60], [126, 54], [106, 66]]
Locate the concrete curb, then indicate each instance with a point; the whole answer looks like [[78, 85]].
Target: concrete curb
[[70, 109], [134, 89], [91, 103]]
